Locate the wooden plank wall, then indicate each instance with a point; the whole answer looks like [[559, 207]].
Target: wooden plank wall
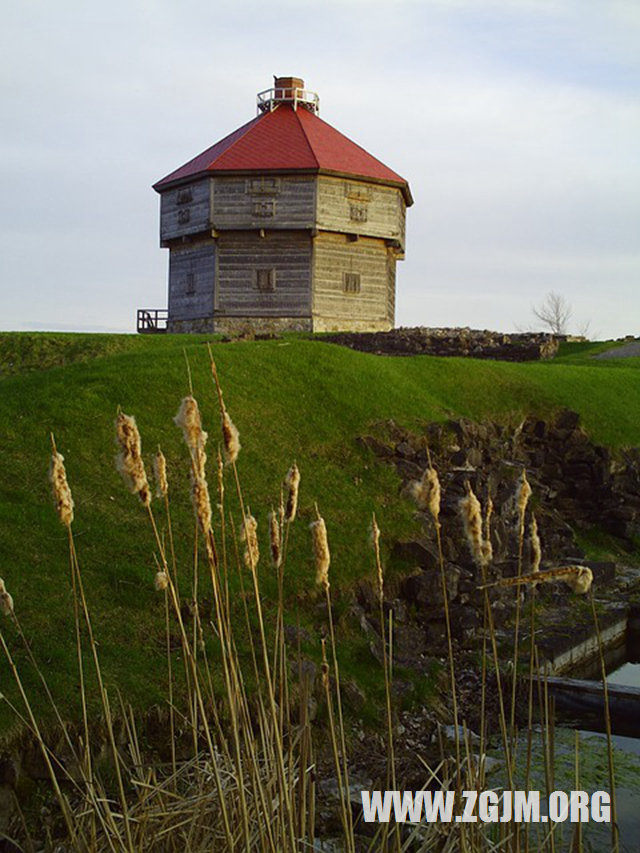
[[282, 201], [199, 261], [185, 210], [242, 253], [382, 208], [335, 255]]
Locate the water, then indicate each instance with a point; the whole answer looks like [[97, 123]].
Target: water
[[626, 673]]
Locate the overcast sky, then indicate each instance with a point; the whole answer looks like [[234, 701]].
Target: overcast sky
[[516, 123]]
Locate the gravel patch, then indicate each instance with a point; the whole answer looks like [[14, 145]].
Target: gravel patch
[[625, 351]]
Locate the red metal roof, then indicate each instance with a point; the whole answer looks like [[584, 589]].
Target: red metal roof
[[287, 140]]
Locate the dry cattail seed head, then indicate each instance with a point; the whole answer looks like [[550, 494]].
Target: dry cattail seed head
[[292, 482], [161, 581], [375, 535], [61, 491], [160, 474], [426, 493], [324, 668], [129, 460], [472, 522], [201, 503], [274, 540], [249, 536], [230, 438], [6, 600], [321, 554], [536, 549], [190, 422], [523, 493]]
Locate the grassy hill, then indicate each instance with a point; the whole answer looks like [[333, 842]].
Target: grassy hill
[[291, 399]]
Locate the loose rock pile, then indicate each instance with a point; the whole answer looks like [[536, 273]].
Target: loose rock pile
[[472, 343]]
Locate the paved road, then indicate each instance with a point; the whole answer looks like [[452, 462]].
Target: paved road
[[625, 351]]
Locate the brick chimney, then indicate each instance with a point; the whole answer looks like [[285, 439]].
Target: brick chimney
[[286, 86]]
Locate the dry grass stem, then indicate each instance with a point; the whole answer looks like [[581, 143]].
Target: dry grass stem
[[160, 474], [321, 554], [61, 491], [129, 461], [292, 482], [577, 578]]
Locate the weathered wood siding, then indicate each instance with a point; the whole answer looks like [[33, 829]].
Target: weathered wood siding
[[185, 210], [192, 271], [333, 308], [357, 207], [262, 201], [242, 254]]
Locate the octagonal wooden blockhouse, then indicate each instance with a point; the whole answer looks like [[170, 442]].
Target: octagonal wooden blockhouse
[[285, 224]]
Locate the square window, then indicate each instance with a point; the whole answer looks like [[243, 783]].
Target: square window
[[264, 208], [266, 280], [265, 186], [351, 282], [184, 196], [358, 212]]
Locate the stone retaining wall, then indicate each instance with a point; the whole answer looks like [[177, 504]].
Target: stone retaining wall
[[465, 342]]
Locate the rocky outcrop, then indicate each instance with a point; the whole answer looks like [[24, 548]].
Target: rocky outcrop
[[465, 342], [576, 485]]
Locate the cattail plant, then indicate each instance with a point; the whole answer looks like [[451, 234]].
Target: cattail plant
[[230, 437], [523, 493], [321, 554], [161, 580], [188, 419], [535, 546], [160, 474], [249, 535], [6, 600], [274, 539], [230, 434], [129, 460], [292, 482], [426, 493], [471, 512], [473, 525], [201, 503], [60, 486]]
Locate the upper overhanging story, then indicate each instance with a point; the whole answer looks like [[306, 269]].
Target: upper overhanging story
[[283, 224]]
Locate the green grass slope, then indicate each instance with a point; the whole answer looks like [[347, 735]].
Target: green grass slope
[[291, 399]]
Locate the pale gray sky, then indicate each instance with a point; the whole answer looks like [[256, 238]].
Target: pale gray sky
[[516, 122]]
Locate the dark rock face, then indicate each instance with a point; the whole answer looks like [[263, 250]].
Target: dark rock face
[[465, 342], [573, 480]]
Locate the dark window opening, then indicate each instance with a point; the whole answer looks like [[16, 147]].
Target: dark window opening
[[266, 280], [352, 282]]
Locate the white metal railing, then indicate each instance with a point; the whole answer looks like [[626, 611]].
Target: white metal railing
[[270, 98]]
